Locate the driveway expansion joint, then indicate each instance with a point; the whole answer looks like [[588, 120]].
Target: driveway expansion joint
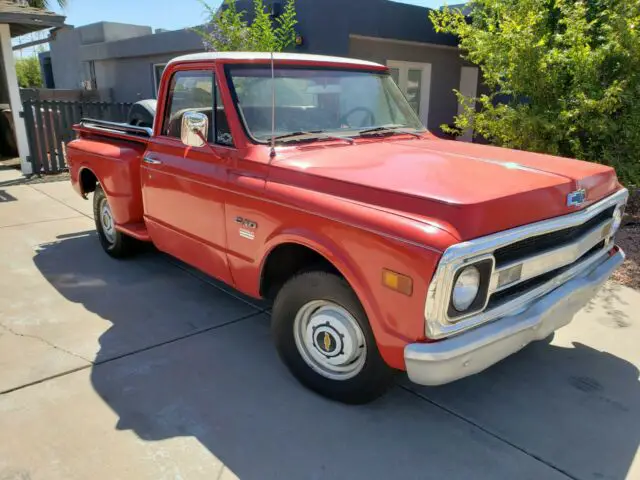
[[45, 341], [91, 364], [60, 202], [177, 339], [489, 432]]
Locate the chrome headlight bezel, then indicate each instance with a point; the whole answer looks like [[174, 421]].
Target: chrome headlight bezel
[[484, 265]]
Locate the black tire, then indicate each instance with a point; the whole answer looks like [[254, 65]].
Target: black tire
[[371, 381], [121, 246]]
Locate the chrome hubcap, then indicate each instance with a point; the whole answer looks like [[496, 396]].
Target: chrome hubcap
[[330, 340], [106, 220]]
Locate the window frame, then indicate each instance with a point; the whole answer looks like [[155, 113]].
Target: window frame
[[157, 80], [168, 103], [234, 96]]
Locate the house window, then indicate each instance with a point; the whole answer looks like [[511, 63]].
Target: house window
[[158, 68], [414, 79]]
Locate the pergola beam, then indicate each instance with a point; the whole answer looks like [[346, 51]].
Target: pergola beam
[[32, 43]]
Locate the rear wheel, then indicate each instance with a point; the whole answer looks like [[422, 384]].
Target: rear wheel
[[322, 334], [115, 243]]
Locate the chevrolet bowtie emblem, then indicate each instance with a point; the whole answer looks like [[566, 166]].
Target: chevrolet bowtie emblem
[[577, 198], [327, 342]]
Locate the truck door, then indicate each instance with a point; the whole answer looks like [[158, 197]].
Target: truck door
[[184, 187]]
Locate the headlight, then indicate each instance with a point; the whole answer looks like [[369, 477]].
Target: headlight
[[617, 219], [466, 288]]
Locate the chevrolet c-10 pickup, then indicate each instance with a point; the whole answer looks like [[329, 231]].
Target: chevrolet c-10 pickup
[[310, 181]]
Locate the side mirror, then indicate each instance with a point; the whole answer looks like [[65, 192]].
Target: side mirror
[[195, 126]]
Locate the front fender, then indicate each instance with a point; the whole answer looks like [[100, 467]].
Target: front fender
[[324, 246], [396, 320]]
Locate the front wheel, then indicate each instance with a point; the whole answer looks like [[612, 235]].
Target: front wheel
[[322, 334], [115, 243]]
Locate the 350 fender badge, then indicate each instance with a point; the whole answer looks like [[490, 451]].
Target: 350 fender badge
[[247, 228]]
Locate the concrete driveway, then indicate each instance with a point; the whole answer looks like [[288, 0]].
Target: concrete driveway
[[146, 369]]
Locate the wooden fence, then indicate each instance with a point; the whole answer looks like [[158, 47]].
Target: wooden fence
[[49, 128]]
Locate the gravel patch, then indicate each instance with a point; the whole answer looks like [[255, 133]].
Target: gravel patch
[[629, 240]]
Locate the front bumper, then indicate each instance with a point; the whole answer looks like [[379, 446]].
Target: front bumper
[[475, 350]]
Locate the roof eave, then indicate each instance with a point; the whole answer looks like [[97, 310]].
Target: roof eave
[[23, 23]]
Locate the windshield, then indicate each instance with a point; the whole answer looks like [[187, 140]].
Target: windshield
[[319, 101]]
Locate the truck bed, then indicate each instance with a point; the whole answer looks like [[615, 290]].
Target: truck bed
[[124, 131], [111, 152]]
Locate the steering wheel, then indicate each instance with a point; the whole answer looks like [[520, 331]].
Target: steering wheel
[[369, 115]]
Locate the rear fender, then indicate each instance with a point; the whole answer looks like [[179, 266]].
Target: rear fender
[[116, 166]]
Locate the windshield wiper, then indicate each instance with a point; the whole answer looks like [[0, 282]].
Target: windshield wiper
[[389, 129], [312, 135]]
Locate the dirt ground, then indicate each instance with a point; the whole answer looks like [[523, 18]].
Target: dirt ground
[[629, 240]]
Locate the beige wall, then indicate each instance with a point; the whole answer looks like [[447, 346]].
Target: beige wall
[[445, 71]]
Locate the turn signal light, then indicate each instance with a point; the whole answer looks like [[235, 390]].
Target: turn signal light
[[510, 275], [397, 281]]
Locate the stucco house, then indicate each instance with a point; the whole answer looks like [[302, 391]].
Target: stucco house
[[127, 60], [16, 19]]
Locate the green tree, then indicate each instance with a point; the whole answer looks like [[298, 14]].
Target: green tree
[[227, 29], [45, 4], [28, 71], [563, 76]]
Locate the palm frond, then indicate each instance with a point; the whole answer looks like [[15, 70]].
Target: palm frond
[[46, 4]]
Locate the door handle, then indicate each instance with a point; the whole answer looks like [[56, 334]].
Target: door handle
[[151, 161]]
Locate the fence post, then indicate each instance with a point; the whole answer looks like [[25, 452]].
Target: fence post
[[76, 112], [50, 136], [67, 121], [30, 125], [58, 132], [40, 137]]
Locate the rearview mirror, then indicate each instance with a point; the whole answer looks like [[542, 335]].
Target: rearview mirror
[[195, 126]]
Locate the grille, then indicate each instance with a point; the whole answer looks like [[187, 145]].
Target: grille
[[541, 243], [521, 288]]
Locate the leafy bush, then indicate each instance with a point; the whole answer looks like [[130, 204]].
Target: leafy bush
[[563, 75], [29, 74], [227, 29]]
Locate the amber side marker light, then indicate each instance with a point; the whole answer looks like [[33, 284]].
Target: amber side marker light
[[397, 281]]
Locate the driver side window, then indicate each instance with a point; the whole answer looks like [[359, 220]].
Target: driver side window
[[190, 91], [196, 91]]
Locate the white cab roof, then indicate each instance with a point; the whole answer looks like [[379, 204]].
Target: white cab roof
[[212, 56]]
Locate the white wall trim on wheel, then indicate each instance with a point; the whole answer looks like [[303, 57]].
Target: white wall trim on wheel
[[330, 340], [106, 220], [113, 242]]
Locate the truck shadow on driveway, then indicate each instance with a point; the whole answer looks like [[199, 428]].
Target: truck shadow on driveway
[[577, 410]]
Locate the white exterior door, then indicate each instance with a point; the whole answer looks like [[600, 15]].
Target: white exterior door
[[468, 88], [414, 79]]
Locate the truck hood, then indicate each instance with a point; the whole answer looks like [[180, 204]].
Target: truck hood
[[467, 189]]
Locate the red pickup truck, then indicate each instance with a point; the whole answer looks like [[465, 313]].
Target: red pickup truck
[[310, 181]]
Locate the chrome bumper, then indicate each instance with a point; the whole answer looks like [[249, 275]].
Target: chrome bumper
[[475, 350]]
